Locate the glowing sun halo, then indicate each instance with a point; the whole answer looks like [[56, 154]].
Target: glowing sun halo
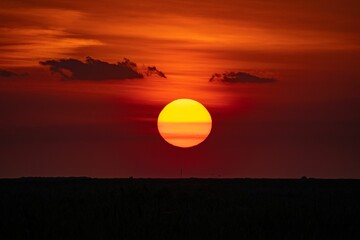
[[184, 123]]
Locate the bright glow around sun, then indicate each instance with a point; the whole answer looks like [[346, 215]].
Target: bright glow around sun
[[184, 123]]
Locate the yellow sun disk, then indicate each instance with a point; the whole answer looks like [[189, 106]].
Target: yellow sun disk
[[184, 123], [184, 110]]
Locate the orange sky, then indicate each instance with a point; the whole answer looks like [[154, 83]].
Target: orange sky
[[182, 37], [306, 123]]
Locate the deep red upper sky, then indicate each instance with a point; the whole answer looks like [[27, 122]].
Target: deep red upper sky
[[305, 123]]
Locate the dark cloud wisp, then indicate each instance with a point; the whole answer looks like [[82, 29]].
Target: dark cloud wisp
[[239, 77], [154, 71], [6, 73], [94, 69]]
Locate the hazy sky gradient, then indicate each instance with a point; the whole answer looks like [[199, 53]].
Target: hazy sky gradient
[[305, 123]]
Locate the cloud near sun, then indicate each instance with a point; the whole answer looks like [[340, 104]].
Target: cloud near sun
[[239, 77], [6, 73], [94, 69]]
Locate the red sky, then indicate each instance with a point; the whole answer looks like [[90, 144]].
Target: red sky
[[305, 123]]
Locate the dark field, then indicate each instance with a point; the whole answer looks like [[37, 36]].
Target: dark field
[[73, 208]]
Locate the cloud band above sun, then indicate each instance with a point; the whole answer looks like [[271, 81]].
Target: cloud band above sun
[[94, 69]]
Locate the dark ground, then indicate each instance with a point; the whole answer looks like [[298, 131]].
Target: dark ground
[[80, 208]]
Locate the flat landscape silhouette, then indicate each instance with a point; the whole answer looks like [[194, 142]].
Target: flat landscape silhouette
[[85, 208]]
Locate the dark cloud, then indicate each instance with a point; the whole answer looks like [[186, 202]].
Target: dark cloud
[[239, 77], [154, 71], [6, 73], [93, 69]]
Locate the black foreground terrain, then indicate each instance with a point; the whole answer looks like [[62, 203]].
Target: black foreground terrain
[[82, 208]]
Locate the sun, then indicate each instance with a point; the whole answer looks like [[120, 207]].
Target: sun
[[184, 123]]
